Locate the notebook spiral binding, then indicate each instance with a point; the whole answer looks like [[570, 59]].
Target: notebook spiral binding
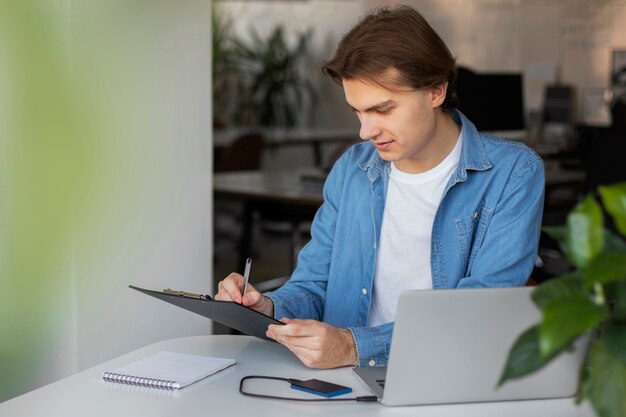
[[140, 381]]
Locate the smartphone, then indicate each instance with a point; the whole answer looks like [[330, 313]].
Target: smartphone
[[323, 388]]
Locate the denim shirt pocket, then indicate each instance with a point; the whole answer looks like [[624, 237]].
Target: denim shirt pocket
[[471, 231]]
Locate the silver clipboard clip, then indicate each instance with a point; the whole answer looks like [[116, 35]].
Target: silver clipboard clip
[[186, 294]]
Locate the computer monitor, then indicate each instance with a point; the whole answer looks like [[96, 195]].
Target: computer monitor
[[558, 104], [492, 101]]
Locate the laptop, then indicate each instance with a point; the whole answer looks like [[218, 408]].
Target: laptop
[[450, 346]]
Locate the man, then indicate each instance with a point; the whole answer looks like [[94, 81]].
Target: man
[[426, 202]]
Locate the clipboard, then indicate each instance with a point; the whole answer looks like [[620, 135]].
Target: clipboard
[[228, 313]]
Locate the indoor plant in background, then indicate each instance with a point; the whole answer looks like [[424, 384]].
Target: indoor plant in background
[[273, 88], [592, 298], [224, 66]]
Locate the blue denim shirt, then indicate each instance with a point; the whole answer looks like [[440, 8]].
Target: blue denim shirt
[[485, 234]]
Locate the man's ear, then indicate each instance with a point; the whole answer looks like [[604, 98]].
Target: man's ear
[[438, 94]]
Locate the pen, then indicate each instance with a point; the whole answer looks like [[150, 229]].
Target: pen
[[246, 275]]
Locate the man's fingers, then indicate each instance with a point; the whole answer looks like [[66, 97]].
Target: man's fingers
[[252, 296], [297, 328], [307, 343], [222, 294], [310, 357], [316, 344], [291, 342], [230, 288]]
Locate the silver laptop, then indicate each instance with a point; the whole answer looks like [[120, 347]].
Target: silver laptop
[[450, 346]]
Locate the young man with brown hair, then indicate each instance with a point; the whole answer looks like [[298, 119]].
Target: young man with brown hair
[[426, 202]]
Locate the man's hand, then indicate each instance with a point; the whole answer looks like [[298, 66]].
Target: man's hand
[[230, 290], [316, 344]]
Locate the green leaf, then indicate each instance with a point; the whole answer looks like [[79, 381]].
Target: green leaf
[[613, 243], [616, 293], [568, 284], [557, 233], [524, 357], [615, 338], [614, 198], [585, 232], [565, 319], [607, 267], [606, 382]]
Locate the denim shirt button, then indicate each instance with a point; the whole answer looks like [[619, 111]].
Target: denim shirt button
[[372, 362], [364, 291]]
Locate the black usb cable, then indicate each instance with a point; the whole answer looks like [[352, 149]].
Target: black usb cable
[[367, 398]]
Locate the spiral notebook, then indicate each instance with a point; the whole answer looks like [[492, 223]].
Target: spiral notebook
[[168, 370]]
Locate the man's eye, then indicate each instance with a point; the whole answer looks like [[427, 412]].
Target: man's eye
[[383, 111]]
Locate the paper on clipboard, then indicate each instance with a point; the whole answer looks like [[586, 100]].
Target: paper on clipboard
[[228, 313]]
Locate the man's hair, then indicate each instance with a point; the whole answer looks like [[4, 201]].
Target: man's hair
[[400, 39]]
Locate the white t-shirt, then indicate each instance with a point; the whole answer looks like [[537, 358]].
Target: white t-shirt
[[403, 258]]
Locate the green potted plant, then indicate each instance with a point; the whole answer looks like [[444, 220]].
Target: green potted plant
[[592, 298], [273, 88], [224, 66]]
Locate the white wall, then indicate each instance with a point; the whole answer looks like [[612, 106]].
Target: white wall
[[159, 205], [106, 180], [487, 35]]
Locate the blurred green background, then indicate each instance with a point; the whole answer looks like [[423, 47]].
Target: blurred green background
[[99, 161], [43, 181]]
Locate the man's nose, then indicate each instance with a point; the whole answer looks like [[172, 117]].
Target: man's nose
[[369, 129]]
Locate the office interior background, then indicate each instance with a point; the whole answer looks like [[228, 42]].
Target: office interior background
[[107, 150]]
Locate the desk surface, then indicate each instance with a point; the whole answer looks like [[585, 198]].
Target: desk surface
[[289, 136], [277, 186], [286, 186], [86, 394]]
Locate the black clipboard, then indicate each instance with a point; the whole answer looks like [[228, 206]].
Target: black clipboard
[[228, 313]]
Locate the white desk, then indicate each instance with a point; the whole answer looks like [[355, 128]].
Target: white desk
[[283, 187], [86, 394], [280, 137], [289, 136]]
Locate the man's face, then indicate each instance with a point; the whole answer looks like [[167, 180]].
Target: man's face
[[402, 125]]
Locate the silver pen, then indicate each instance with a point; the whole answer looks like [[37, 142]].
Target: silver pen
[[246, 275]]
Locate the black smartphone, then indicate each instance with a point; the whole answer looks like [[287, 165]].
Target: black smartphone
[[323, 388]]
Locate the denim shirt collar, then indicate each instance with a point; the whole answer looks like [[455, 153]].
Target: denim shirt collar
[[374, 166], [473, 154]]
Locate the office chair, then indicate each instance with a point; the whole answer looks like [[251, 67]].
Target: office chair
[[244, 154]]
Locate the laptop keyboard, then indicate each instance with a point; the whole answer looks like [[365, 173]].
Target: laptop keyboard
[[381, 382]]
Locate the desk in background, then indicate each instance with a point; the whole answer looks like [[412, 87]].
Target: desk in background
[[288, 187], [278, 137], [272, 186], [86, 394], [284, 190], [277, 196], [557, 177]]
